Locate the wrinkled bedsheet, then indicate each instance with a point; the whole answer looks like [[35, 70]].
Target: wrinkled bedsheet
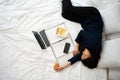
[[21, 58]]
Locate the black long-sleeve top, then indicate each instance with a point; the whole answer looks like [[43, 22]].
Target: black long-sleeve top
[[91, 35]]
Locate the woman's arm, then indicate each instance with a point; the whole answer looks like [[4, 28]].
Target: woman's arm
[[71, 61]]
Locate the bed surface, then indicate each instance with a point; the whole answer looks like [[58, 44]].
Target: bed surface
[[21, 58]]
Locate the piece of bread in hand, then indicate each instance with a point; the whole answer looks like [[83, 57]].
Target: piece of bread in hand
[[56, 66]]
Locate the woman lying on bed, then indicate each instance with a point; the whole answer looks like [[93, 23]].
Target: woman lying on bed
[[89, 40]]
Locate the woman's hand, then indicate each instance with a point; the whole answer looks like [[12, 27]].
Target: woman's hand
[[63, 66], [76, 49]]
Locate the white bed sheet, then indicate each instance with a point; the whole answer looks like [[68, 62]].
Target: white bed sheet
[[21, 58]]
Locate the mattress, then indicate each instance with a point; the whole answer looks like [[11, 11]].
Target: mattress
[[115, 72], [113, 36], [21, 57]]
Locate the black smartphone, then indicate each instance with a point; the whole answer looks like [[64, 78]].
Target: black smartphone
[[66, 48]]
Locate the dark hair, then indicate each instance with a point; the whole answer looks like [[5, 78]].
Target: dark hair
[[92, 62]]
